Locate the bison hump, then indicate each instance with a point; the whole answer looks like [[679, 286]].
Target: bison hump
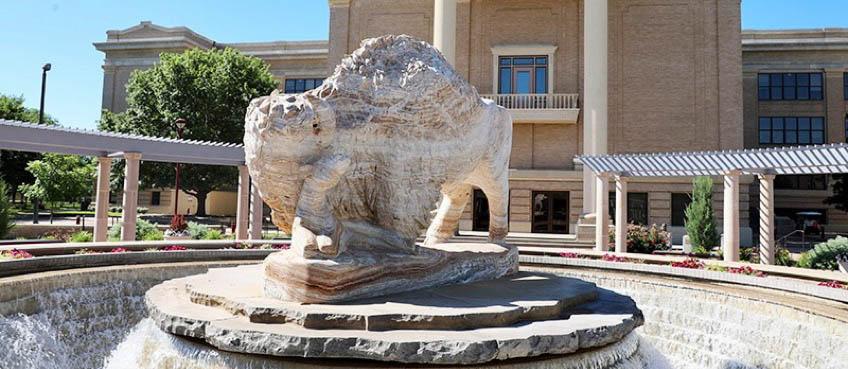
[[399, 80]]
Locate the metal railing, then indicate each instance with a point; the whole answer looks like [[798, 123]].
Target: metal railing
[[535, 101]]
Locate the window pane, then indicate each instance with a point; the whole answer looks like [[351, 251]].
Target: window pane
[[541, 80], [763, 80], [777, 137], [679, 203], [803, 93], [816, 79], [803, 123], [816, 93], [803, 137], [791, 123], [777, 93], [523, 61], [789, 80], [819, 182], [637, 208], [791, 137], [522, 82], [299, 85], [765, 123], [763, 93], [542, 60], [505, 81], [289, 86], [805, 182], [765, 137], [818, 123], [310, 84], [776, 79], [803, 79], [777, 124], [789, 92], [505, 61], [818, 137]]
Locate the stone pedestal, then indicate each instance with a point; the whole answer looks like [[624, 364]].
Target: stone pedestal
[[365, 273], [525, 315]]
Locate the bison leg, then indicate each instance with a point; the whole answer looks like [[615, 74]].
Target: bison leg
[[315, 228], [447, 216], [495, 184]]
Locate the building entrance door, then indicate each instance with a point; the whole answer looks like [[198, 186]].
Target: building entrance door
[[550, 212], [480, 212]]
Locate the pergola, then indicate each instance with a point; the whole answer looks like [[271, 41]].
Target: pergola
[[106, 146], [764, 163]]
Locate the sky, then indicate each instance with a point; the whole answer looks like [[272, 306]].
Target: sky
[[61, 32]]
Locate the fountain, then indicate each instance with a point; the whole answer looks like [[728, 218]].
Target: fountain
[[354, 170]]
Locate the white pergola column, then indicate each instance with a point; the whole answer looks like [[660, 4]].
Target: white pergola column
[[101, 199], [256, 205], [444, 28], [130, 203], [595, 52], [730, 227], [602, 213], [767, 246], [620, 213], [243, 203]]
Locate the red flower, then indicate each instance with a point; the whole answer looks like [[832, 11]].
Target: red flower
[[118, 250], [613, 258], [690, 263], [833, 284], [570, 255], [746, 270], [19, 254], [174, 248]]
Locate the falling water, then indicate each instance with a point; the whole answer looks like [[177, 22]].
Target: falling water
[[97, 324]]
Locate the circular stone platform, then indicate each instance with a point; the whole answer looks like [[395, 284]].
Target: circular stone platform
[[524, 315]]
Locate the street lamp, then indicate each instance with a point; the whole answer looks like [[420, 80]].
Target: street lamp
[[44, 69], [180, 123]]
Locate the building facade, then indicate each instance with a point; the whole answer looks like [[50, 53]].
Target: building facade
[[614, 76]]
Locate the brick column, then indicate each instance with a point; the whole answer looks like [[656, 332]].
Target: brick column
[[256, 213], [101, 199], [242, 204], [767, 247], [130, 204], [602, 211], [730, 246], [595, 53], [444, 28], [620, 214]]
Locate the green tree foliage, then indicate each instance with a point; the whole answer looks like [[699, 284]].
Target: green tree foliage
[[840, 192], [7, 219], [700, 220], [13, 163], [823, 256], [211, 89], [65, 178]]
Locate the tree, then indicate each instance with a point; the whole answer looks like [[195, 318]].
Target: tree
[[67, 178], [7, 219], [840, 192], [211, 90], [13, 163], [700, 220]]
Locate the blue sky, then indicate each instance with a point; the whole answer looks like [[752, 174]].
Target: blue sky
[[62, 32]]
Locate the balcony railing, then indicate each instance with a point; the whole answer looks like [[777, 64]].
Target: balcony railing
[[535, 101]]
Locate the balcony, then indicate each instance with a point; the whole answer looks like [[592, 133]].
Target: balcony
[[540, 108]]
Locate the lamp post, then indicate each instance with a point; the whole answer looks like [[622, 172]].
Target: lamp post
[[180, 123], [44, 69]]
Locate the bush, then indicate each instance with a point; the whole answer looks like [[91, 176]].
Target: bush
[[700, 220], [823, 256], [644, 240], [197, 231], [81, 236], [783, 257], [7, 218], [214, 234], [144, 231]]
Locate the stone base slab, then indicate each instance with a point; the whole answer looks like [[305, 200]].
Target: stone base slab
[[360, 274], [425, 336]]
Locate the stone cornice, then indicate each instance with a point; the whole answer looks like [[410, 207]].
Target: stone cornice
[[333, 3], [795, 40]]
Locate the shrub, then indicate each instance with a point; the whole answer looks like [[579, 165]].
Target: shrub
[[750, 254], [644, 240], [700, 220], [213, 234], [144, 231], [7, 218], [198, 231], [783, 257], [823, 256], [142, 210], [81, 236]]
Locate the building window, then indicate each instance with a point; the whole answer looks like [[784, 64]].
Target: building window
[[679, 203], [155, 198], [846, 128], [845, 86], [791, 130], [297, 85], [637, 207], [550, 212], [480, 214], [790, 86], [801, 182], [523, 75]]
